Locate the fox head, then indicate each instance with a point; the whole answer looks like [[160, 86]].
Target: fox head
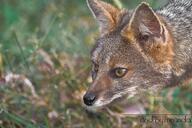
[[134, 52]]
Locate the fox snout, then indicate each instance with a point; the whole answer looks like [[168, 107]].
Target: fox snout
[[96, 94], [89, 98]]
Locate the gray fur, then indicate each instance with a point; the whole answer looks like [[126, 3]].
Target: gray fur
[[178, 14]]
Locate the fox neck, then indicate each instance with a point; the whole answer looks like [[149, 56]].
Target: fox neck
[[178, 20]]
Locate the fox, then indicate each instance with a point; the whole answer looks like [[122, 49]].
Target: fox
[[142, 49]]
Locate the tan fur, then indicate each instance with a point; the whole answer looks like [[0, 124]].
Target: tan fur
[[109, 12], [161, 52]]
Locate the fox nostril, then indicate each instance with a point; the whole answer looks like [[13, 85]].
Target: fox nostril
[[89, 99]]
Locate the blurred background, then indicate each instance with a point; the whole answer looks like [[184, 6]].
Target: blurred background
[[45, 65]]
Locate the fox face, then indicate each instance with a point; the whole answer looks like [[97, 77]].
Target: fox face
[[133, 53]]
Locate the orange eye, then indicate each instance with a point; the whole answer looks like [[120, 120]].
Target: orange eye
[[120, 72]]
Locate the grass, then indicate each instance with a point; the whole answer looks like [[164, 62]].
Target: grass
[[48, 42]]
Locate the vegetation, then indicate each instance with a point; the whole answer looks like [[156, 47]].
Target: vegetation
[[44, 68]]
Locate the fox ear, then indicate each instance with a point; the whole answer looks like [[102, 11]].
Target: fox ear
[[150, 32], [105, 14], [144, 22]]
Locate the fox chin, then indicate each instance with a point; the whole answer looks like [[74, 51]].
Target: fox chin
[[139, 50]]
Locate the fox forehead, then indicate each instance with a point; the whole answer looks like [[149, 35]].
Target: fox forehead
[[114, 50], [105, 49]]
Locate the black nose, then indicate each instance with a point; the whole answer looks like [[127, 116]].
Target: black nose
[[89, 99]]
